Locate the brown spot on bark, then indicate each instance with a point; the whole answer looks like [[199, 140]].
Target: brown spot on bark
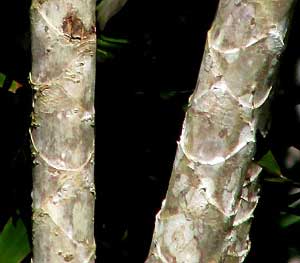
[[223, 133], [217, 33], [41, 1], [68, 257], [73, 27], [92, 29]]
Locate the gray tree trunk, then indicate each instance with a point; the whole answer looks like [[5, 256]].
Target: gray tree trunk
[[213, 189], [62, 133]]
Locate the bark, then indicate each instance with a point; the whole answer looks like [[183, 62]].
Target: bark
[[62, 133], [213, 189]]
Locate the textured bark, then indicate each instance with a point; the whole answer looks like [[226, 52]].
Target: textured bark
[[62, 133], [213, 189]]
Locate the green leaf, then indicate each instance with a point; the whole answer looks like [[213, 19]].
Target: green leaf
[[14, 86], [2, 79], [103, 44], [103, 55], [125, 235], [167, 94], [279, 179], [14, 242], [114, 40], [107, 47], [287, 220], [269, 163], [112, 43]]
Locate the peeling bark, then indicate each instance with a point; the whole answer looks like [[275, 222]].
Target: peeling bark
[[62, 132], [213, 189]]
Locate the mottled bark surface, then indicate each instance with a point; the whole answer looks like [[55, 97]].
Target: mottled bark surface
[[62, 133], [213, 189]]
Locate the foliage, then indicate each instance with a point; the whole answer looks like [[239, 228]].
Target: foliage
[[10, 85], [14, 242], [291, 214], [108, 47]]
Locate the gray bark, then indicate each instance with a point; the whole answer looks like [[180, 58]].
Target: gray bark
[[213, 189], [62, 133]]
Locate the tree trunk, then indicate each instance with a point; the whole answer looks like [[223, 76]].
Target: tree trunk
[[213, 189], [62, 133]]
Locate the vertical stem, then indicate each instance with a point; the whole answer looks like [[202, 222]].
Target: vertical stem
[[62, 132], [213, 191]]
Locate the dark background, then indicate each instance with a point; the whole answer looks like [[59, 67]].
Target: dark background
[[141, 94]]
